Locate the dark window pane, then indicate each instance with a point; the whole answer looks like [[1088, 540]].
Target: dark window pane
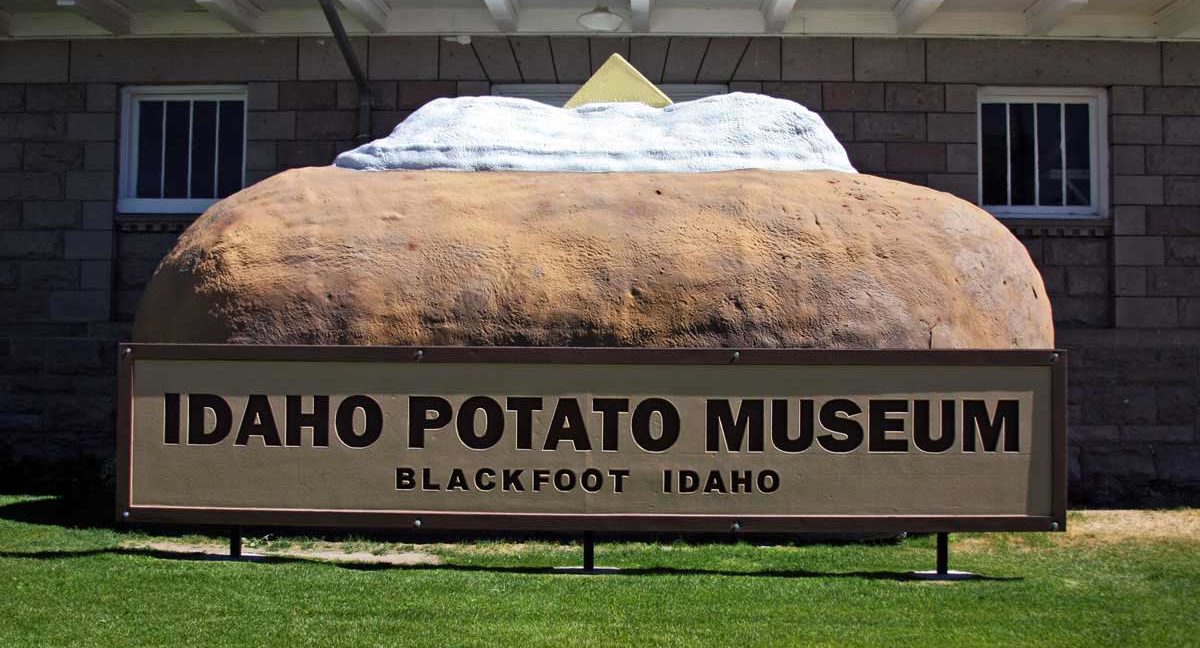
[[1021, 153], [149, 149], [1079, 155], [1050, 164], [204, 149], [175, 149], [994, 154], [230, 145]]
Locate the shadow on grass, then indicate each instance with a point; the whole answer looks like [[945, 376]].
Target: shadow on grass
[[521, 570]]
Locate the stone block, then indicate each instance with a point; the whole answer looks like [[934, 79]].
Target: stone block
[[1133, 464], [648, 54], [383, 95], [1180, 281], [867, 157], [1130, 282], [260, 155], [1181, 130], [719, 61], [916, 97], [97, 214], [31, 245], [1085, 282], [87, 244], [963, 185], [1129, 220], [1126, 100], [53, 156], [1182, 190], [326, 124], [411, 95], [817, 59], [383, 121], [1177, 405], [31, 186], [1055, 280], [320, 59], [1136, 129], [50, 275], [746, 86], [1181, 64], [683, 59], [92, 127], [403, 58], [34, 61], [805, 94], [497, 57], [307, 95], [79, 305], [962, 158], [1157, 433], [1076, 252], [459, 62], [10, 214], [1138, 190], [205, 60], [841, 123], [271, 125], [1173, 160], [1138, 250], [952, 127], [1084, 435], [100, 156], [602, 47], [33, 126], [962, 98], [1189, 312], [12, 97], [56, 97], [262, 95], [10, 278], [90, 185], [303, 154], [889, 59], [1180, 465], [1080, 312], [571, 61], [56, 214], [1173, 101], [852, 96], [1043, 62], [1128, 159], [915, 157], [889, 127], [473, 89], [760, 62], [101, 97], [10, 156], [1183, 250], [95, 275]]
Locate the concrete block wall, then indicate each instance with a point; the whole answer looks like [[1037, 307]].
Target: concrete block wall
[[72, 271]]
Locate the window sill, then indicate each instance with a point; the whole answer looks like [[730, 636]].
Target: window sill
[[1057, 226], [154, 223]]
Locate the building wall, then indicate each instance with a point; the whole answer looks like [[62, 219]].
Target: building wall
[[1126, 290]]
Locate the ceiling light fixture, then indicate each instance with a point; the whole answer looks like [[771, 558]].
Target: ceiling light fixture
[[601, 19]]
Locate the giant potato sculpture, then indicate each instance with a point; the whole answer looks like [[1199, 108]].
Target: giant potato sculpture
[[439, 236]]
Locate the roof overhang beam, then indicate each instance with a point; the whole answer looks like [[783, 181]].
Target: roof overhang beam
[[1177, 18], [504, 14], [640, 10], [242, 15], [373, 14], [776, 14], [109, 15], [1045, 15], [911, 14]]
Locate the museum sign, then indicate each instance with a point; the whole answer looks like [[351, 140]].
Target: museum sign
[[593, 439]]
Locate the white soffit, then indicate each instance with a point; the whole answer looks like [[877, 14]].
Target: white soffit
[[1124, 19]]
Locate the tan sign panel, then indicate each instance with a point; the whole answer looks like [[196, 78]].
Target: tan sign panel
[[608, 439]]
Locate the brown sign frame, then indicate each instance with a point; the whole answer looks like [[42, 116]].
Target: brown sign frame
[[1055, 359]]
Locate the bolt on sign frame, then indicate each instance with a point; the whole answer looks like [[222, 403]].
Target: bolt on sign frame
[[593, 439]]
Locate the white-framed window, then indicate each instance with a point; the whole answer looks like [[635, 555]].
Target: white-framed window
[[557, 94], [182, 147], [1043, 152]]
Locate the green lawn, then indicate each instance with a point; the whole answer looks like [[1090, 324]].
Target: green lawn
[[1116, 579]]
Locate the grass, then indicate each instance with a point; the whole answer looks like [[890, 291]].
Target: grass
[[1129, 579]]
